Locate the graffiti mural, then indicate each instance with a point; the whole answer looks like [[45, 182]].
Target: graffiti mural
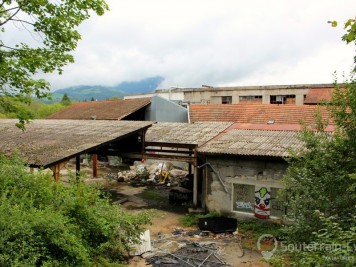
[[262, 202]]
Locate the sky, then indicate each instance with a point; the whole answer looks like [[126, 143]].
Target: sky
[[212, 42]]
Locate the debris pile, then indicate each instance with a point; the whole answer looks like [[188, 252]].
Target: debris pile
[[189, 254], [163, 173], [191, 247]]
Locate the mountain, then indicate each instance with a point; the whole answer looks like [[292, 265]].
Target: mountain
[[99, 92]]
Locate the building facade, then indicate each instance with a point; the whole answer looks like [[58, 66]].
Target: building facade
[[271, 94]]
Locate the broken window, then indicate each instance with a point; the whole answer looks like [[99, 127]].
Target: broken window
[[226, 100], [250, 99], [282, 99]]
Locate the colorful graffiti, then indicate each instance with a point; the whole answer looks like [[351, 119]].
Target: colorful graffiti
[[262, 202]]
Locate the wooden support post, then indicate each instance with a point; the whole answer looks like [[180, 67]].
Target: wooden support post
[[77, 166], [95, 165], [56, 169]]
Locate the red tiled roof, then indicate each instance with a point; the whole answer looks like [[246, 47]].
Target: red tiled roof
[[317, 95], [102, 110], [256, 114]]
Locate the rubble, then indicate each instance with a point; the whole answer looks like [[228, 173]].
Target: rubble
[[190, 247], [162, 173], [190, 254]]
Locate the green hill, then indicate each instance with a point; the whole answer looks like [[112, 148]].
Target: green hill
[[99, 92]]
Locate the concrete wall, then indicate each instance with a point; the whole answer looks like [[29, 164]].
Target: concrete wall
[[166, 94], [215, 96], [237, 172], [163, 110]]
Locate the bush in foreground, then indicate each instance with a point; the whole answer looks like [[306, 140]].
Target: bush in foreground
[[43, 223]]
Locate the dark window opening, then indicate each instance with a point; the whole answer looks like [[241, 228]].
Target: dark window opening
[[226, 100], [282, 99]]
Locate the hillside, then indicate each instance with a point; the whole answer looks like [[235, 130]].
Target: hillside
[[99, 92]]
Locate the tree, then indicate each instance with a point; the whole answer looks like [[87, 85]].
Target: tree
[[54, 23], [321, 183], [65, 100]]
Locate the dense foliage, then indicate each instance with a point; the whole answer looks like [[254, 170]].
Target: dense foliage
[[44, 223], [34, 110], [321, 185], [52, 27]]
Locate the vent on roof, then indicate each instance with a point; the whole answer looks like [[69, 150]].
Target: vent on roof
[[270, 122]]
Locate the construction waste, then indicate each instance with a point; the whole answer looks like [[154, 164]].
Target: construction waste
[[162, 173]]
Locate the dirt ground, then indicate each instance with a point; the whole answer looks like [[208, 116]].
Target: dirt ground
[[166, 220]]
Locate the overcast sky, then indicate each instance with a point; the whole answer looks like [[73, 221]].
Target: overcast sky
[[212, 42]]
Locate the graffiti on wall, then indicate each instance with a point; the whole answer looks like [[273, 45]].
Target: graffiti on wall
[[262, 202], [244, 205]]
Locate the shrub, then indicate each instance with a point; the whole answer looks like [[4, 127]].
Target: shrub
[[44, 223]]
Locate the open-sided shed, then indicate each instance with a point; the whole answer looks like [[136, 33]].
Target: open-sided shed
[[49, 143]]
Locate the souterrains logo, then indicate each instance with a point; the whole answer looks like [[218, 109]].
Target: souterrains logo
[[267, 245]]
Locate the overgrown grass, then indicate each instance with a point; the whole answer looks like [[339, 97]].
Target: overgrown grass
[[251, 230], [152, 194], [189, 220]]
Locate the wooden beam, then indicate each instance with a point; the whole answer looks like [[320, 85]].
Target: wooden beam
[[175, 145], [56, 170], [95, 165]]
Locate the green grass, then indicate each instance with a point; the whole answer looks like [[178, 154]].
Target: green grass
[[193, 219], [152, 194]]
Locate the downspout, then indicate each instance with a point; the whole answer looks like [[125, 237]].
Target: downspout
[[217, 174], [188, 114]]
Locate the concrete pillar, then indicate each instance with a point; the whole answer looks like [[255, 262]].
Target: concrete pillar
[[265, 99], [299, 99]]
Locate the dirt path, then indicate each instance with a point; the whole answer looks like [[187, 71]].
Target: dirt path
[[166, 220]]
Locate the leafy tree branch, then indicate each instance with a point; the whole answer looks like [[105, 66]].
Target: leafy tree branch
[[56, 22]]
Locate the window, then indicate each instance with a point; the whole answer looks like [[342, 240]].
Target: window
[[262, 201], [250, 99], [282, 99], [226, 99]]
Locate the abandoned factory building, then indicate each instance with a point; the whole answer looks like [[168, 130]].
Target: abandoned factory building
[[236, 153]]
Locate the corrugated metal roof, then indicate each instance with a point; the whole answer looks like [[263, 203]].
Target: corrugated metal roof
[[47, 141], [253, 143], [256, 114], [278, 127], [102, 110], [185, 133]]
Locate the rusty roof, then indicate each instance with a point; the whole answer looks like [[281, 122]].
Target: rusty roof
[[50, 141], [102, 110], [256, 114], [185, 133], [253, 143], [318, 95]]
